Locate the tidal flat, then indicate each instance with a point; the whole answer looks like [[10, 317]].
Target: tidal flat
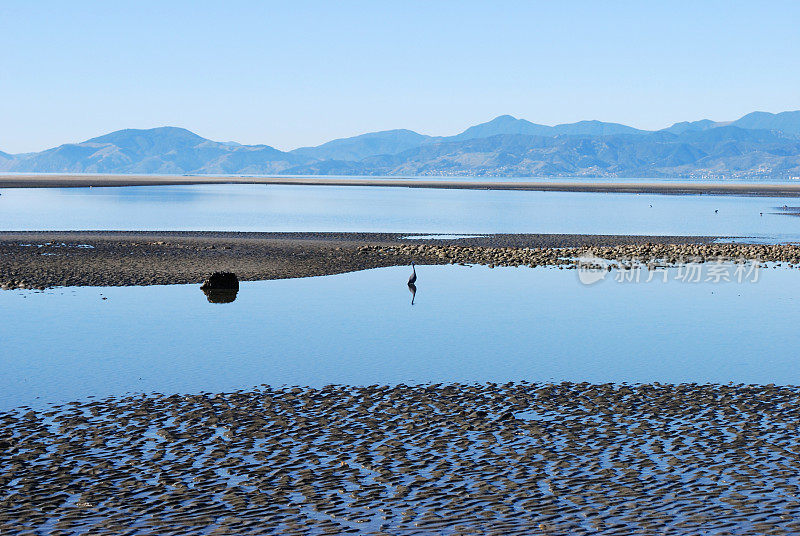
[[513, 458], [108, 258], [529, 383], [105, 258]]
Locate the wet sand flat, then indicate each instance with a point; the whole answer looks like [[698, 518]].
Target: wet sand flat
[[106, 258], [100, 258], [517, 458], [672, 188]]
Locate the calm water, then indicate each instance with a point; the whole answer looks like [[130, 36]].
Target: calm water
[[330, 208], [468, 324]]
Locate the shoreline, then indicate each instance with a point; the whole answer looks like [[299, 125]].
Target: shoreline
[[45, 259], [666, 188]]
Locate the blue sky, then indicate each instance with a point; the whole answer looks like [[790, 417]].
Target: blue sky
[[299, 73]]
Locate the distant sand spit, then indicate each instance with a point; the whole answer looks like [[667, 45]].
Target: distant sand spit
[[673, 188]]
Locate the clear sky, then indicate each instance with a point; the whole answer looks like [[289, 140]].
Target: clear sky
[[296, 73]]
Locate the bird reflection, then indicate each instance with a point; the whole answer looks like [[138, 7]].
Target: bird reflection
[[413, 289], [411, 280]]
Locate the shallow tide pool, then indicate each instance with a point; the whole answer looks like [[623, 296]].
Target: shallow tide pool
[[467, 324]]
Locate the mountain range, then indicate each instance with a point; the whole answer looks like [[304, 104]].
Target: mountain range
[[758, 145]]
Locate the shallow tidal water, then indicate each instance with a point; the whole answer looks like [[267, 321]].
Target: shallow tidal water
[[503, 401], [467, 324], [240, 207]]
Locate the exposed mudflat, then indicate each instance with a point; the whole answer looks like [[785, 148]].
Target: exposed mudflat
[[441, 459], [108, 258]]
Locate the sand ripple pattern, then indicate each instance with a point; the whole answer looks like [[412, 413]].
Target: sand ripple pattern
[[570, 458]]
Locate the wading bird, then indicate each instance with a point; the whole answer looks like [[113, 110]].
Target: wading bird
[[413, 278]]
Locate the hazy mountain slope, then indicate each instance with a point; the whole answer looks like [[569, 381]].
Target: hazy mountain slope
[[150, 141], [788, 122], [396, 141], [594, 128], [358, 147], [252, 159], [157, 150], [694, 153], [506, 124], [5, 161], [686, 126], [757, 145]]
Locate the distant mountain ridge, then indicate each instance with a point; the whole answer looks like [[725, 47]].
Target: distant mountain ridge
[[506, 124], [158, 150], [788, 122], [759, 144], [358, 147]]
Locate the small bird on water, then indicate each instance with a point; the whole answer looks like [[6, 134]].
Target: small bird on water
[[413, 278]]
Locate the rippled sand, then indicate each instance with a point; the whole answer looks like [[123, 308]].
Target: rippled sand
[[444, 459]]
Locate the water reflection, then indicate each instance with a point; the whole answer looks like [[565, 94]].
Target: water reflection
[[474, 324], [413, 289], [220, 296], [221, 287]]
